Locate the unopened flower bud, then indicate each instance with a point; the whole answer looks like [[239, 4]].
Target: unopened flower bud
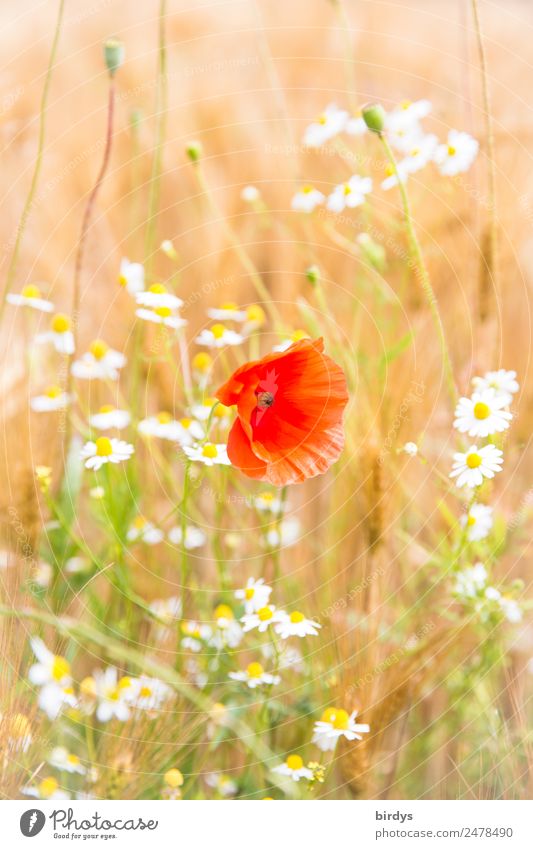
[[374, 117], [194, 151], [313, 274], [168, 249], [113, 55]]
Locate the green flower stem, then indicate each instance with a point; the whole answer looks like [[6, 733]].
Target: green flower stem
[[13, 265], [161, 127], [422, 273]]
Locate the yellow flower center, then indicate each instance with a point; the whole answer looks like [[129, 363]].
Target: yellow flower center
[[139, 522], [470, 521], [123, 280], [48, 787], [473, 460], [249, 593], [267, 496], [223, 611], [254, 670], [73, 760], [145, 692], [31, 292], [306, 190], [298, 335], [202, 362], [296, 616], [389, 170], [88, 686], [98, 349], [255, 313], [405, 104], [264, 614], [53, 391], [107, 408], [337, 717], [209, 450], [451, 150], [60, 668], [60, 323], [103, 446], [173, 778], [218, 331], [186, 423], [221, 411], [164, 417], [158, 289], [322, 120], [347, 189], [230, 307], [163, 312], [481, 410], [294, 762]]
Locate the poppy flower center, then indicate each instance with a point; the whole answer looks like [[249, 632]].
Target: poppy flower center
[[265, 400]]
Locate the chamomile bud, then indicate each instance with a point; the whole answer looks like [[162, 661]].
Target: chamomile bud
[[374, 117], [193, 150], [313, 274], [113, 55], [168, 249]]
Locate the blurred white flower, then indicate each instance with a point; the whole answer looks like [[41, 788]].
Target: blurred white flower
[[109, 417], [457, 154], [194, 537], [105, 450], [218, 336], [30, 296], [209, 454], [100, 362], [336, 723], [349, 194], [293, 767], [131, 276], [61, 758], [307, 199], [330, 123], [254, 675], [295, 624], [478, 522], [54, 398], [504, 383], [60, 335], [145, 531]]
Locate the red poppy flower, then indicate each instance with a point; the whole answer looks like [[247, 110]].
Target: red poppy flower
[[290, 407]]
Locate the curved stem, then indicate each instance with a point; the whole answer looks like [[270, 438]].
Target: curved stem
[[13, 265]]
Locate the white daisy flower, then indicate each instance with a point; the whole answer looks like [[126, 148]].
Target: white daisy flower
[[194, 537], [295, 624], [255, 318], [164, 426], [108, 417], [30, 296], [403, 124], [255, 595], [131, 276], [418, 156], [100, 362], [218, 336], [227, 312], [52, 674], [203, 410], [54, 398], [158, 296], [393, 178], [42, 574], [61, 758], [196, 634], [48, 788], [336, 723], [210, 454], [254, 675], [457, 155], [161, 315], [502, 382], [472, 467], [250, 194], [330, 123], [307, 199], [228, 632], [349, 194], [112, 695], [222, 783], [60, 334], [288, 656], [268, 502], [168, 611], [142, 529], [471, 581], [105, 450], [294, 767], [482, 414], [54, 697], [149, 694], [478, 522], [356, 125], [261, 618], [511, 609], [285, 534]]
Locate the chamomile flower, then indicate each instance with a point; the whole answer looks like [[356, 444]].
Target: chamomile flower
[[109, 417], [54, 398], [294, 767], [420, 154], [202, 411], [201, 366], [161, 315], [105, 450], [60, 334], [286, 343], [349, 194], [268, 502], [403, 124], [255, 318], [30, 296], [356, 125], [295, 624], [164, 426], [196, 633], [131, 276], [511, 609], [336, 723], [218, 336], [42, 574], [457, 154], [254, 675], [223, 784], [472, 467], [227, 312], [502, 382], [52, 674], [61, 758], [210, 454], [261, 618], [112, 695], [307, 199], [149, 694], [250, 194], [228, 632], [145, 531], [283, 534], [158, 296], [482, 415], [330, 123], [255, 595], [100, 362], [47, 788], [471, 582], [194, 537], [478, 522], [392, 177]]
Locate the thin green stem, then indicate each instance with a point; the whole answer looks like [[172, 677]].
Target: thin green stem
[[161, 127], [422, 272], [13, 265]]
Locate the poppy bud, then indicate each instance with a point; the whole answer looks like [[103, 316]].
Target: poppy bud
[[113, 55], [374, 117]]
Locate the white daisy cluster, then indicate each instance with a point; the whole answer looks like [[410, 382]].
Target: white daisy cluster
[[472, 588], [415, 148]]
